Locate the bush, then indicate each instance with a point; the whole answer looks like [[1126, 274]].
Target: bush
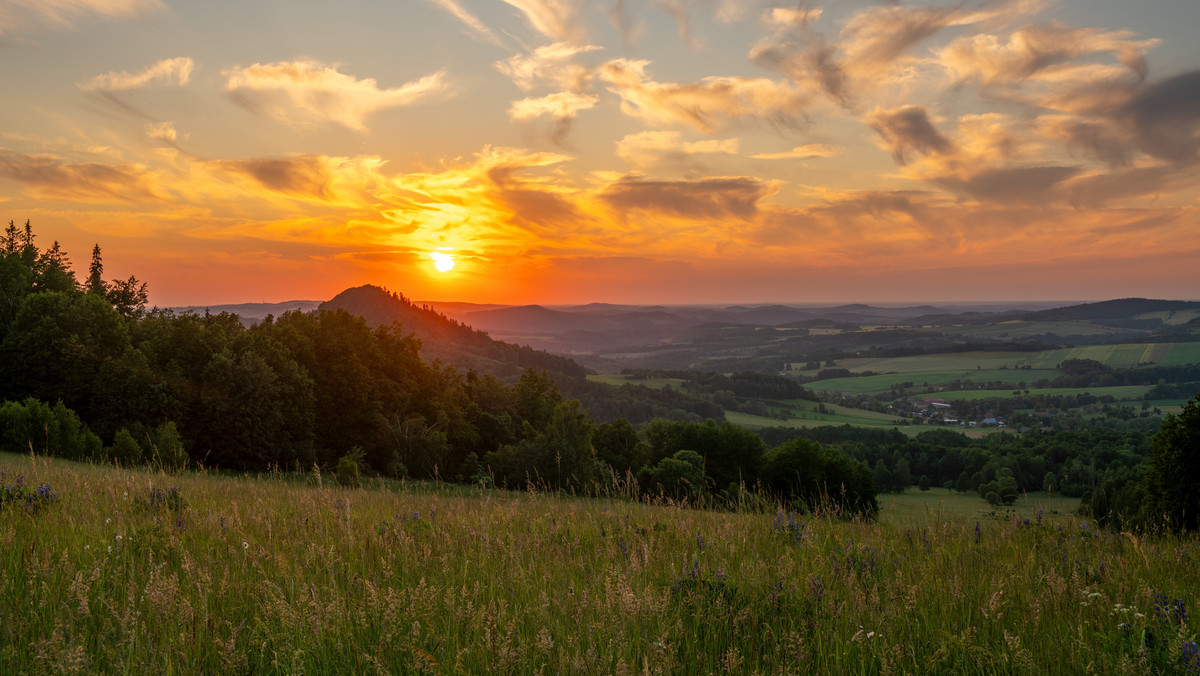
[[346, 473], [125, 449]]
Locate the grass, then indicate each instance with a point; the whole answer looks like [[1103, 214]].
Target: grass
[[914, 507], [270, 575]]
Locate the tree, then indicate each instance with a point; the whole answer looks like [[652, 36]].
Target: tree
[[924, 483], [679, 476], [95, 280], [1048, 483], [1173, 477]]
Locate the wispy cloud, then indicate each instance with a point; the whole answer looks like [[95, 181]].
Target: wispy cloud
[[305, 92], [706, 105], [175, 72], [469, 20], [49, 177], [805, 152], [163, 132], [556, 19], [705, 199], [560, 107], [552, 64], [17, 16], [645, 150]]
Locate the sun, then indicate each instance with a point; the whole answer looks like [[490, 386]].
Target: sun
[[444, 262]]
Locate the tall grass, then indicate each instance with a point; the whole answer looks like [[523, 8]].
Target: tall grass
[[274, 574]]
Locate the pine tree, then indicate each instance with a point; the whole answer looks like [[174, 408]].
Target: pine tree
[[95, 280]]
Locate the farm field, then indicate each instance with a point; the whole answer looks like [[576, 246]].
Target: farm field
[[142, 572]]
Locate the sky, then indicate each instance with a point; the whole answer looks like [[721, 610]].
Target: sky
[[624, 151]]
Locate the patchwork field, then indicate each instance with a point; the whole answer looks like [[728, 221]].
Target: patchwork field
[[140, 572]]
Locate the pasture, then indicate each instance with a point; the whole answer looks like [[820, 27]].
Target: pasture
[[132, 571]]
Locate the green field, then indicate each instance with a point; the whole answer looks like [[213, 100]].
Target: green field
[[1024, 329], [618, 379], [1117, 356], [1121, 393], [243, 575], [922, 379]]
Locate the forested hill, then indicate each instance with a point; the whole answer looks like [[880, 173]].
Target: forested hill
[[446, 339]]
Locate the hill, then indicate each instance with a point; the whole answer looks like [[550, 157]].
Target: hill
[[446, 339]]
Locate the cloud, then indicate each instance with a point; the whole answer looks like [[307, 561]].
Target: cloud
[[308, 176], [706, 105], [707, 199], [556, 19], [302, 93], [49, 178], [175, 72], [875, 46], [561, 107], [548, 63], [805, 152], [645, 150], [1165, 117], [1010, 184], [468, 19], [24, 15], [908, 129], [163, 132], [1045, 55]]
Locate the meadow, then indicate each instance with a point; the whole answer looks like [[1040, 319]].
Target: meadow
[[134, 571]]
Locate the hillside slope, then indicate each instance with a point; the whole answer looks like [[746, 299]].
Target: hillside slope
[[446, 339]]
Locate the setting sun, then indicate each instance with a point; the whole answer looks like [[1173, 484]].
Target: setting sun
[[444, 262]]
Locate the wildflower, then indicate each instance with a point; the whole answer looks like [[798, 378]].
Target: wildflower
[[245, 545], [1191, 656]]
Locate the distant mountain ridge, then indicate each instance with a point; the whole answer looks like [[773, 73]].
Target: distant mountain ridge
[[447, 339]]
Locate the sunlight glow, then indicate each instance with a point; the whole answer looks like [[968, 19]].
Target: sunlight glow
[[444, 262]]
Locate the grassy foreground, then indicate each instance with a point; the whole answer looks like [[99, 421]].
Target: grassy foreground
[[120, 574]]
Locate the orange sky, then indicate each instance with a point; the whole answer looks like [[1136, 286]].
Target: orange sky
[[664, 151]]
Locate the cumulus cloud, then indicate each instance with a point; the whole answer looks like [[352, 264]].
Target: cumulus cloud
[[23, 15], [706, 105], [644, 150], [468, 19], [304, 92]]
